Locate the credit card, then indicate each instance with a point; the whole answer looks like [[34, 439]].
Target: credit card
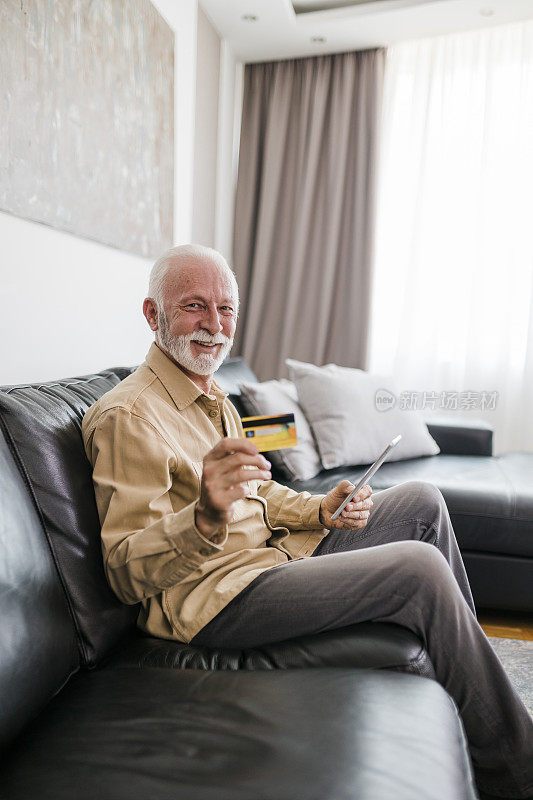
[[270, 433]]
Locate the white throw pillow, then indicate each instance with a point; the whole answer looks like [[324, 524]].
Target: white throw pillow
[[340, 406], [280, 397]]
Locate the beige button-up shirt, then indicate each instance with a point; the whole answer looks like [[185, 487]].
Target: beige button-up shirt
[[146, 440]]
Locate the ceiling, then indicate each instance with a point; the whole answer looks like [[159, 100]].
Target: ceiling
[[292, 28], [303, 6]]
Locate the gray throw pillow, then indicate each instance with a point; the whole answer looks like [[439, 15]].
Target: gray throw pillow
[[340, 406], [280, 397]]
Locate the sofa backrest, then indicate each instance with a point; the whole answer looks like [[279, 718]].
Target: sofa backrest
[[42, 427], [38, 646], [232, 372]]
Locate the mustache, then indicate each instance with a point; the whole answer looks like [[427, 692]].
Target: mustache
[[219, 338]]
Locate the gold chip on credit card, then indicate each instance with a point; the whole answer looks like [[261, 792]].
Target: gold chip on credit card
[[270, 433]]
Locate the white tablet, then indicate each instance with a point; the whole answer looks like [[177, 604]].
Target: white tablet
[[368, 474]]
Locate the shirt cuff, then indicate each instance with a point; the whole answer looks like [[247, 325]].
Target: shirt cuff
[[220, 537], [190, 543], [310, 515]]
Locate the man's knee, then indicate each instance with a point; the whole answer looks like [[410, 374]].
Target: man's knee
[[420, 495], [428, 501], [425, 492], [422, 565]]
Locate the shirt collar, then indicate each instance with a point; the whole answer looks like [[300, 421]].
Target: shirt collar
[[180, 387]]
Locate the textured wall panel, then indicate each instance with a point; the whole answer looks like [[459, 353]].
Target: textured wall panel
[[86, 119]]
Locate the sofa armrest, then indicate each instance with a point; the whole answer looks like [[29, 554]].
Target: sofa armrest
[[461, 437]]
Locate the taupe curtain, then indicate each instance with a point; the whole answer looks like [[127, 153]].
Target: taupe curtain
[[305, 209]]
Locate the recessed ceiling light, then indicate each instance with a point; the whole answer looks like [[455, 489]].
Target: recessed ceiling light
[[318, 39], [486, 12], [249, 18]]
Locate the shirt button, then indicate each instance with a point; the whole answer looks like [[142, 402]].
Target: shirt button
[[213, 413]]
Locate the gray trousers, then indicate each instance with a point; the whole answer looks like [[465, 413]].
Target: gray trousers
[[403, 567]]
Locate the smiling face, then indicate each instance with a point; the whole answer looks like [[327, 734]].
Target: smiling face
[[197, 323]]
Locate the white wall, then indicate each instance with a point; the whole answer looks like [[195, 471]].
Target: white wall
[[229, 129], [72, 306], [206, 132], [69, 306]]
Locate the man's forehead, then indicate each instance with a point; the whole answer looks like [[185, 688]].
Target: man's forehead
[[199, 278]]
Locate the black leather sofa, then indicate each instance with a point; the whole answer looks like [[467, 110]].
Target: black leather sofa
[[93, 709]]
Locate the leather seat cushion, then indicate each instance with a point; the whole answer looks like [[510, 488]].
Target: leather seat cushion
[[374, 645], [490, 498], [163, 734]]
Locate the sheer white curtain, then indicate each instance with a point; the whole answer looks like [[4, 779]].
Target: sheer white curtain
[[452, 301]]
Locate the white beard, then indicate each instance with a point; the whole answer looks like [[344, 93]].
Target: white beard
[[180, 349]]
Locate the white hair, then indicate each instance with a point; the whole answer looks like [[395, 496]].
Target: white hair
[[177, 256]]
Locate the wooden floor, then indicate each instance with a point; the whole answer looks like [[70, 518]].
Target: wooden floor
[[506, 624]]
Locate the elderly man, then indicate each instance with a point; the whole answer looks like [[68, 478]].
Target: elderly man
[[218, 554]]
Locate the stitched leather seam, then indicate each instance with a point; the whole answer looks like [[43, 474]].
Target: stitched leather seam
[[496, 554], [489, 516], [63, 385]]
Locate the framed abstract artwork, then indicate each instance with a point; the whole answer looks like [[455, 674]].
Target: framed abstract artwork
[[87, 119]]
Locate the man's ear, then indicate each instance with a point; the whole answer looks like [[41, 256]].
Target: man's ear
[[150, 312]]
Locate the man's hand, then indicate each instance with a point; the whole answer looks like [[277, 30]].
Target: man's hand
[[355, 515], [226, 468]]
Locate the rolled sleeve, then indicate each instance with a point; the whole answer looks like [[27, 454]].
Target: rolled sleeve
[[147, 546], [290, 509]]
